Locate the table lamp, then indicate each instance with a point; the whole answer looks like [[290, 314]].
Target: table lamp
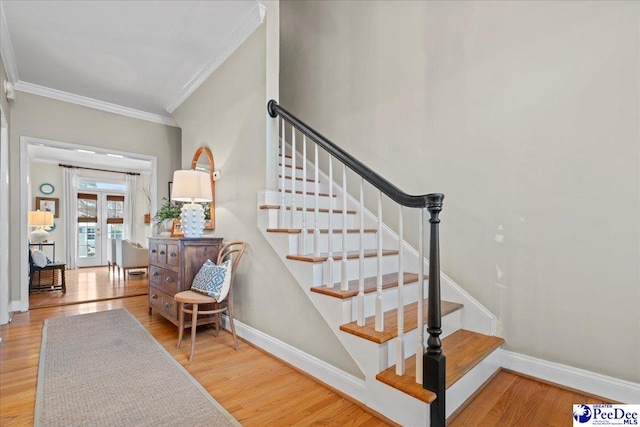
[[40, 220], [194, 187]]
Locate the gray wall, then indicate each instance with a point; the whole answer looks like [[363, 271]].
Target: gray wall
[[40, 117], [227, 114], [525, 114]]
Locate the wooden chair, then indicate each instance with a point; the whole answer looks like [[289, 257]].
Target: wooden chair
[[233, 251], [52, 266]]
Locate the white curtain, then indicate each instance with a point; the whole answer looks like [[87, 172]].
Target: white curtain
[[129, 207], [70, 204]]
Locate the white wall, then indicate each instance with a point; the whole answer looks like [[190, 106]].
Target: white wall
[[227, 114], [525, 114], [50, 119]]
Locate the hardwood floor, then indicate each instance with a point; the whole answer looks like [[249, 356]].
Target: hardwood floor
[[257, 389], [513, 400], [92, 284]]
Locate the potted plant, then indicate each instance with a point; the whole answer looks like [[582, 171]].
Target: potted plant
[[167, 213]]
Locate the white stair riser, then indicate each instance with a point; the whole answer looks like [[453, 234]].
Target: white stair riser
[[353, 242], [323, 201], [323, 219], [320, 276], [311, 187]]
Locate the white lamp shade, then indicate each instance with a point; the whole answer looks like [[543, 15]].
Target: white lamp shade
[[40, 219], [191, 186]]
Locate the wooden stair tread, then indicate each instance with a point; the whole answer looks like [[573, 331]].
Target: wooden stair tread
[[389, 280], [463, 349], [310, 193], [338, 255], [322, 230], [323, 210], [369, 332]]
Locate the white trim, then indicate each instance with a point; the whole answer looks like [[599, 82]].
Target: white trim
[[4, 218], [575, 378], [228, 45], [328, 374], [16, 306], [6, 49], [93, 103], [24, 142]]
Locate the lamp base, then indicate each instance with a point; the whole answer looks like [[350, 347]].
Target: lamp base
[[39, 235], [192, 220]]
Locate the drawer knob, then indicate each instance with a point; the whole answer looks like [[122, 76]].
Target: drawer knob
[[154, 296], [167, 305], [153, 251], [155, 273], [161, 252], [173, 254], [169, 279]]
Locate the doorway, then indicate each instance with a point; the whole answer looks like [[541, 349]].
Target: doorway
[[100, 219]]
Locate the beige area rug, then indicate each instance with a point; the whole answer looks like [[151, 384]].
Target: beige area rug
[[106, 369]]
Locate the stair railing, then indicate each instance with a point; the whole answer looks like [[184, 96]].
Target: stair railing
[[430, 365]]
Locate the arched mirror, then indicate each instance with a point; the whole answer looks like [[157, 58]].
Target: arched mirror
[[203, 160]]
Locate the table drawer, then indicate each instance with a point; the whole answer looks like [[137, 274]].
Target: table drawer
[[155, 275], [169, 282], [162, 302]]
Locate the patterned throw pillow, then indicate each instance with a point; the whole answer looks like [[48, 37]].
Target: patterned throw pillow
[[39, 258], [213, 280]]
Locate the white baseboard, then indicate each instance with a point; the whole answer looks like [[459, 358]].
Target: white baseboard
[[17, 306], [579, 379], [328, 374]]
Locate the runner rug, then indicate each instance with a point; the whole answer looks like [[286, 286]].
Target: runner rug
[[106, 369]]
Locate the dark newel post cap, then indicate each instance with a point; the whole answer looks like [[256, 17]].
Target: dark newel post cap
[[271, 108], [434, 201]]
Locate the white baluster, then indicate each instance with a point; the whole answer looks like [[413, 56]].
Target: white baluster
[[344, 283], [293, 179], [379, 326], [283, 206], [400, 339], [316, 198], [420, 343], [304, 194], [360, 299], [330, 260]]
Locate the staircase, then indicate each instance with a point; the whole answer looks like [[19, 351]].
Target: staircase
[[369, 285]]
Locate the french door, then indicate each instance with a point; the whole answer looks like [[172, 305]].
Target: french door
[[100, 218]]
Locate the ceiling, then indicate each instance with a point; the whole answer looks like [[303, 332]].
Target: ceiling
[[137, 58]]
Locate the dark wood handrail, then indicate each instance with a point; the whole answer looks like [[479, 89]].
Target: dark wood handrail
[[352, 163]]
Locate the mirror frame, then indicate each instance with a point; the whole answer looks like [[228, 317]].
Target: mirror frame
[[211, 225]]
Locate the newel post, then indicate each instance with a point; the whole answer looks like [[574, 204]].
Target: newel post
[[434, 362]]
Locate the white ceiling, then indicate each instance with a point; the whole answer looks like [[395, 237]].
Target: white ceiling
[[138, 58]]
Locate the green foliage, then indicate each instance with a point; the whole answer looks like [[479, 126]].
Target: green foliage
[[168, 210]]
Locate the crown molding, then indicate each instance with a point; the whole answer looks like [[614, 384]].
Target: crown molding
[[93, 103], [6, 49], [231, 42]]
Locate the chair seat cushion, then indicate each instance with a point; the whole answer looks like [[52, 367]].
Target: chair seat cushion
[[213, 280]]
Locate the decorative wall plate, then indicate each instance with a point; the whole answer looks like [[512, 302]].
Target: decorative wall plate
[[47, 188], [53, 227]]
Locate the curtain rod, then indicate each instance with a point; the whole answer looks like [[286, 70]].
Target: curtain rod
[[95, 169]]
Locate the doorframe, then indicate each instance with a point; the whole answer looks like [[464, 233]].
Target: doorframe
[[25, 194], [4, 217]]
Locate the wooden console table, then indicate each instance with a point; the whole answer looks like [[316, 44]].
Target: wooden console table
[[173, 263]]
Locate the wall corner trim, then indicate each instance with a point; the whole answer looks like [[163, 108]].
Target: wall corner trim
[[579, 379]]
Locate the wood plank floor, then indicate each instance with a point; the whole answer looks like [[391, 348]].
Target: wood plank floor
[[257, 389], [92, 284]]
